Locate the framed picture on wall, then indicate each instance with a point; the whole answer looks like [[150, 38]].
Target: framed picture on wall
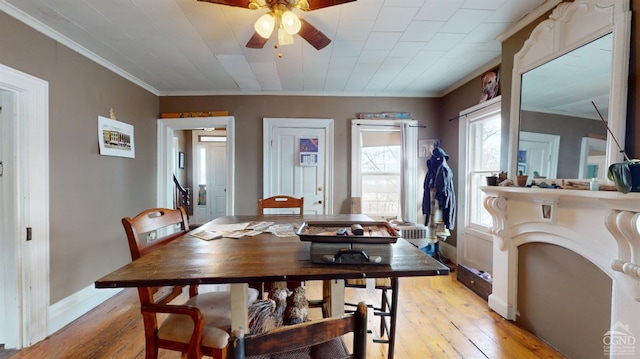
[[115, 138], [425, 148]]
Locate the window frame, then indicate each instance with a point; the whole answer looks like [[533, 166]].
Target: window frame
[[467, 117], [409, 152]]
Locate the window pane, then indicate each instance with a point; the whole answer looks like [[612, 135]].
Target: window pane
[[484, 159], [381, 194], [381, 159], [380, 173]]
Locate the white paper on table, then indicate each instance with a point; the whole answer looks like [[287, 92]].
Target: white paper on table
[[229, 227]]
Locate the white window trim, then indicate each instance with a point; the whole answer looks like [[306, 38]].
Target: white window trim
[[409, 173], [485, 109]]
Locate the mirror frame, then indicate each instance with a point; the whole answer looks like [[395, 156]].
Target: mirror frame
[[570, 26]]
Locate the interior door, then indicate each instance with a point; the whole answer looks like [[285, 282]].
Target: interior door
[[210, 185], [538, 154], [295, 164]]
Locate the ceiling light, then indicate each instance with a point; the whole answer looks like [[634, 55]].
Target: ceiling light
[[290, 22], [284, 38], [265, 24]]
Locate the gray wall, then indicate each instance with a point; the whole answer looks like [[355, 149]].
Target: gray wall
[[250, 110], [89, 193], [571, 131]]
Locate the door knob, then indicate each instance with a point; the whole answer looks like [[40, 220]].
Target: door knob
[[320, 202]]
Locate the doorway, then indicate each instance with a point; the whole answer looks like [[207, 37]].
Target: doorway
[[24, 260], [298, 161], [166, 128], [209, 176], [538, 154]]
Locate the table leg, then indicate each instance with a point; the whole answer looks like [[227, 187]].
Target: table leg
[[394, 311], [239, 308], [333, 295]]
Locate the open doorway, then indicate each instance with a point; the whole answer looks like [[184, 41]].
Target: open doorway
[[166, 128]]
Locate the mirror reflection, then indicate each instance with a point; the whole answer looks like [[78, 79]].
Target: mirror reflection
[[561, 134]]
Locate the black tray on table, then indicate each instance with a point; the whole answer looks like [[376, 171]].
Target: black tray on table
[[326, 232]]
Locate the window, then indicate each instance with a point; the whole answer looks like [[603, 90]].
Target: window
[[380, 172], [483, 136], [383, 168]]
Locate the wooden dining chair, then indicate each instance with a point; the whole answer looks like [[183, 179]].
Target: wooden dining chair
[[201, 325], [386, 310], [280, 201], [315, 339]]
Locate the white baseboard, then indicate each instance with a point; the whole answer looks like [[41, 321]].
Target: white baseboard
[[74, 306]]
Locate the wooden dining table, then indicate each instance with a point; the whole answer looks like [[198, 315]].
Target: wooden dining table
[[264, 258]]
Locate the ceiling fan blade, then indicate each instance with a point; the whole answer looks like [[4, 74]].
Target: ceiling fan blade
[[313, 36], [237, 3], [256, 41], [319, 4]]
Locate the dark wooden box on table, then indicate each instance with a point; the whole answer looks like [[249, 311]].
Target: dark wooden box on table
[[348, 242]]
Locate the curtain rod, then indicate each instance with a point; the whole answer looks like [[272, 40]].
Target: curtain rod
[[466, 113], [419, 126]]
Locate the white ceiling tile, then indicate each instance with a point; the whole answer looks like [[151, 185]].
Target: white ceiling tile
[[443, 42], [464, 21], [347, 48], [421, 30], [483, 4], [354, 30], [438, 10], [485, 32], [406, 49], [401, 16], [372, 57], [382, 40], [190, 45]]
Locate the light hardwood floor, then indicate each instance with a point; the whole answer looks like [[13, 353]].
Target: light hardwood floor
[[437, 318]]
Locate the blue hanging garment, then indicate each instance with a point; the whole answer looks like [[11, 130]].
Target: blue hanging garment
[[440, 178]]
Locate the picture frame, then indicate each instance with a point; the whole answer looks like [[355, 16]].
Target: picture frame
[[425, 148], [181, 160], [115, 138]]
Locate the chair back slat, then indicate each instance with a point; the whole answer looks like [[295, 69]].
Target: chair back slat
[[280, 201], [152, 220], [288, 338]]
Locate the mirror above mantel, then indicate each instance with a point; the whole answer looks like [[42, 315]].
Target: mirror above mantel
[[576, 58]]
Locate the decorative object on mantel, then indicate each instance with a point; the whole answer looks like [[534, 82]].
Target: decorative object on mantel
[[115, 138], [193, 114], [626, 175], [522, 179], [385, 115], [492, 180]]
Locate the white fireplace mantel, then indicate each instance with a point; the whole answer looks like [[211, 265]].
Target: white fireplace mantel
[[601, 226]]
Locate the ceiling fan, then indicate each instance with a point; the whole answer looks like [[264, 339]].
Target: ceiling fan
[[283, 20]]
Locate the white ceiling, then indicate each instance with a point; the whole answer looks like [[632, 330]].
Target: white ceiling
[[380, 47]]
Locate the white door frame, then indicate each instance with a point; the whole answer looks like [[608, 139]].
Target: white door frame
[[316, 123], [166, 126], [26, 263], [553, 144]]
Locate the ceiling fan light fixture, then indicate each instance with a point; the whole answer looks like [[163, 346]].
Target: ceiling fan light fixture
[[265, 24], [290, 22], [284, 38]]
